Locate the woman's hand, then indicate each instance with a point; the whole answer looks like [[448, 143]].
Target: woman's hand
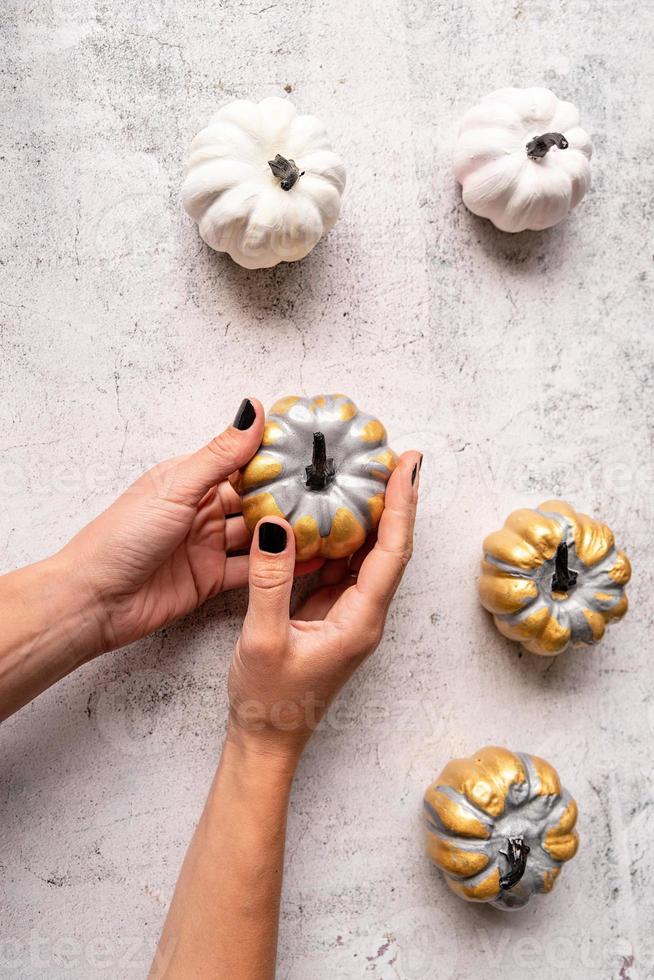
[[164, 546], [285, 672], [223, 917]]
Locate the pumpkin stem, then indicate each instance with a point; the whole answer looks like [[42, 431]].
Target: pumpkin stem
[[539, 146], [286, 170], [516, 855], [564, 577], [321, 471]]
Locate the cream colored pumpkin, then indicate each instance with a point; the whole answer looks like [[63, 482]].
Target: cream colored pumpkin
[[263, 182], [500, 826], [522, 159]]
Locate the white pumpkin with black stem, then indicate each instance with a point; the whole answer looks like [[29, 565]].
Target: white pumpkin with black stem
[[522, 159], [263, 182]]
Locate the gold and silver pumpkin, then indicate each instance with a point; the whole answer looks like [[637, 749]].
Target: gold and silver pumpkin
[[323, 465], [500, 826], [552, 577]]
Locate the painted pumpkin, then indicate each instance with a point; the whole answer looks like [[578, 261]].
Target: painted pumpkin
[[323, 465], [500, 826], [522, 159], [552, 577], [263, 182]]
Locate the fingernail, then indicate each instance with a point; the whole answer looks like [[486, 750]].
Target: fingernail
[[420, 463], [272, 538], [414, 474], [245, 416]]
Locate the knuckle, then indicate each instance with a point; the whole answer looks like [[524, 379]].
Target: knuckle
[[271, 577], [404, 555], [225, 447], [263, 644]]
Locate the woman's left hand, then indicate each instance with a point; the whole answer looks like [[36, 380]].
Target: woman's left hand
[[171, 541]]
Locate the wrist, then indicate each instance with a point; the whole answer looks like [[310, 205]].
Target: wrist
[[50, 627], [260, 752]]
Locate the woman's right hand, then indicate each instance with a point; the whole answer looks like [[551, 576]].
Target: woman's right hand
[[285, 672]]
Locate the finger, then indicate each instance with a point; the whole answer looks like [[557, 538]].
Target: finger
[[272, 563], [237, 536], [237, 569], [359, 556], [382, 569], [236, 572], [230, 500], [321, 602], [189, 480]]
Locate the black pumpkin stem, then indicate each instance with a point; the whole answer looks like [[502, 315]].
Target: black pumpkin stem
[[539, 146], [321, 471], [286, 170], [516, 854], [564, 577]]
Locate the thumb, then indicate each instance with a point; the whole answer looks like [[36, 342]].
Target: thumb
[[272, 563], [225, 454]]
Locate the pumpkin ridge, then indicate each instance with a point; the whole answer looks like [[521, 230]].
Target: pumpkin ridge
[[482, 818]]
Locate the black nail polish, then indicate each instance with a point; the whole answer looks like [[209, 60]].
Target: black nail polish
[[420, 463], [272, 538], [245, 415], [414, 474]]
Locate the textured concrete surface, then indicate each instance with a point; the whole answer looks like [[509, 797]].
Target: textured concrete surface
[[521, 366]]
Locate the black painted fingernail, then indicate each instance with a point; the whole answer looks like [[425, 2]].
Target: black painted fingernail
[[245, 416], [272, 538], [414, 474], [420, 463]]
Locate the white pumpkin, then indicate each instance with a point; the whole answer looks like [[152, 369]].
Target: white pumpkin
[[522, 159], [263, 182]]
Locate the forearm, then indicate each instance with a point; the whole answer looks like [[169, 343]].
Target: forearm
[[223, 920], [48, 627]]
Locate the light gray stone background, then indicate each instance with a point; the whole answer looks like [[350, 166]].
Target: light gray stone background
[[521, 366]]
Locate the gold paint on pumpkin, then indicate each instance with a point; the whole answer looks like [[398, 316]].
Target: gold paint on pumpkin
[[526, 628], [504, 767], [376, 508], [593, 540], [511, 548], [543, 534], [373, 431], [485, 891], [553, 638], [621, 571], [453, 859], [603, 597], [345, 537], [262, 468], [347, 410], [318, 402], [283, 405], [257, 506], [549, 879], [307, 538], [617, 611], [566, 822], [502, 593], [454, 816], [549, 783], [465, 776], [562, 848], [596, 621], [387, 458], [272, 431]]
